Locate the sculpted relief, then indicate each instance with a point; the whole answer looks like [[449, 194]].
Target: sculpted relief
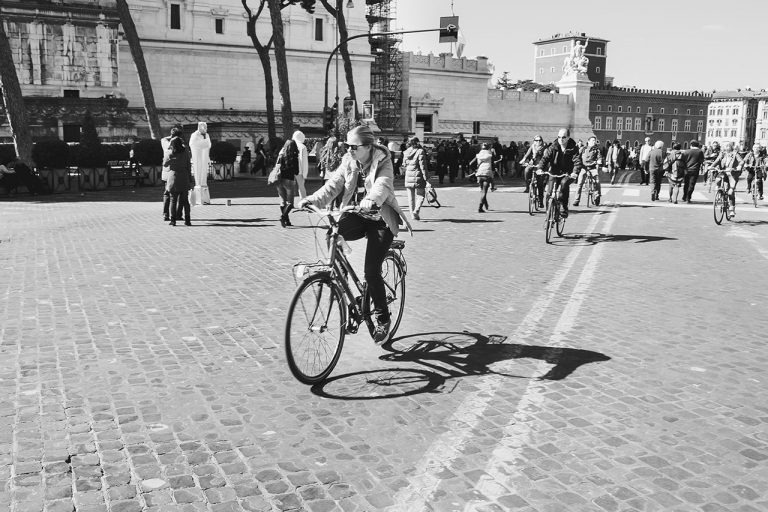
[[64, 54]]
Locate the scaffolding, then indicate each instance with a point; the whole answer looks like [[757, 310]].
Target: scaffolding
[[387, 68]]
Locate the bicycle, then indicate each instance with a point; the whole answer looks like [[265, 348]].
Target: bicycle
[[593, 198], [331, 301], [754, 192], [720, 203], [711, 171], [554, 216], [533, 193]]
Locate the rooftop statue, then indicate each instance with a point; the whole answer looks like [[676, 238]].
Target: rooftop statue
[[576, 62]]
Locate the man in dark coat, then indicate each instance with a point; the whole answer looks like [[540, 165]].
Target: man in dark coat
[[694, 159], [563, 162], [615, 159], [656, 168]]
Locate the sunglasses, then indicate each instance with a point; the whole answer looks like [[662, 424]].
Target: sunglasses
[[536, 140], [355, 147]]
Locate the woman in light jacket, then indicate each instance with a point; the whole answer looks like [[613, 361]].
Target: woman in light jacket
[[369, 165], [415, 163], [484, 173]]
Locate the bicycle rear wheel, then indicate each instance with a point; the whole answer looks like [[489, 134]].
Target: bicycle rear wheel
[[720, 205], [315, 328], [754, 192], [393, 274], [590, 190]]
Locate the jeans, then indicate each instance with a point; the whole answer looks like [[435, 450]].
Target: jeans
[[751, 177], [565, 191], [180, 205], [645, 172], [355, 227], [689, 184], [415, 199], [166, 202], [656, 177], [583, 178]]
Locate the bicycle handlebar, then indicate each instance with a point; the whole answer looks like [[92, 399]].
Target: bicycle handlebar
[[310, 208]]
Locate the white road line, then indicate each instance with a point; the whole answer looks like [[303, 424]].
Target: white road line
[[631, 192], [518, 432], [699, 196], [750, 237], [442, 453]]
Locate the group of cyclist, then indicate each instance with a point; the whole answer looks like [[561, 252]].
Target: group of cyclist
[[729, 162]]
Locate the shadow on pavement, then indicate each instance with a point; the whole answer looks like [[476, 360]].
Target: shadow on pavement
[[750, 222], [460, 221], [596, 238], [448, 355]]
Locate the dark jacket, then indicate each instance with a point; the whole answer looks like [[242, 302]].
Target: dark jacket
[[656, 160], [561, 161], [289, 161], [179, 171], [621, 158], [694, 157], [591, 157]]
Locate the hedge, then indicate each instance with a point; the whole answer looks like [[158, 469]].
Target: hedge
[[148, 152], [223, 152], [53, 153], [7, 153]]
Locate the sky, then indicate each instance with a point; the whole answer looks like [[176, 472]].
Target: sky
[[671, 45]]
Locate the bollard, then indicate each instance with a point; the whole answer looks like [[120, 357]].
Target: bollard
[[229, 202]]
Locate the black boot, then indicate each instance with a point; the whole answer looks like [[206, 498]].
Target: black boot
[[288, 209], [282, 215]]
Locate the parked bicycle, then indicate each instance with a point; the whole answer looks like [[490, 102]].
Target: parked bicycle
[[331, 301], [554, 217], [722, 200]]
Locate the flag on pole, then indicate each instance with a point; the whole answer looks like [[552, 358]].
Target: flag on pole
[[460, 42]]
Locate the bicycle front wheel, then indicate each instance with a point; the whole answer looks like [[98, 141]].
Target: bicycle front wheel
[[590, 192], [720, 205], [550, 222], [754, 193], [315, 328], [532, 205], [393, 274], [559, 222]]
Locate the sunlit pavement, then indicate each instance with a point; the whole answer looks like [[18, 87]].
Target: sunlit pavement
[[620, 368]]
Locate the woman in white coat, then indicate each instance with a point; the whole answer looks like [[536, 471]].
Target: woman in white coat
[[200, 145], [299, 138]]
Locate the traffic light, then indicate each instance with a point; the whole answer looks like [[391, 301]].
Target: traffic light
[[328, 118], [449, 29]]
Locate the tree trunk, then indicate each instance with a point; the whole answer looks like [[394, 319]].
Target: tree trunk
[[134, 43], [14, 101], [341, 22], [269, 87], [282, 66]]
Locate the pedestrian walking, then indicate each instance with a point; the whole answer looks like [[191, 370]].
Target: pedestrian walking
[[615, 159], [416, 176], [301, 176], [259, 158], [484, 173], [645, 161], [288, 160], [245, 161], [694, 159], [179, 180], [676, 174], [656, 168]]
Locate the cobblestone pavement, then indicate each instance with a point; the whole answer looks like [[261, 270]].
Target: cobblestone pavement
[[621, 368]]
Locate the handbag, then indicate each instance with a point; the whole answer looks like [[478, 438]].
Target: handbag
[[192, 197], [274, 174]]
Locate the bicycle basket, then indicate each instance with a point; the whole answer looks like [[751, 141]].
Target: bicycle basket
[[304, 269]]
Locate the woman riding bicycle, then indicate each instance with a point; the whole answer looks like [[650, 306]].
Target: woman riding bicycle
[[755, 163], [368, 165], [727, 163], [591, 159], [530, 160]]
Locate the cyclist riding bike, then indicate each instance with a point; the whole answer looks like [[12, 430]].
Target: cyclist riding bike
[[728, 163], [591, 159], [564, 163], [366, 166], [531, 160], [709, 158], [755, 163]]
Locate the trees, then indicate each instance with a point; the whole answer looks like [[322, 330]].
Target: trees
[[504, 82], [134, 43], [341, 24], [274, 8], [14, 101]]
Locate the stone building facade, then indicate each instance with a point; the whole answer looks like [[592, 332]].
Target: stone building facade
[[71, 57], [630, 114], [732, 117], [444, 96], [761, 124]]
